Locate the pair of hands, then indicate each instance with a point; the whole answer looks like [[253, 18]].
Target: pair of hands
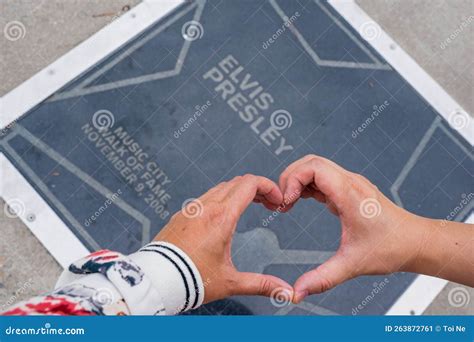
[[372, 240]]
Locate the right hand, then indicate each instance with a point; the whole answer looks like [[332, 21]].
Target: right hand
[[375, 236]]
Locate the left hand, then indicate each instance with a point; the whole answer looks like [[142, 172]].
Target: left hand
[[204, 230]]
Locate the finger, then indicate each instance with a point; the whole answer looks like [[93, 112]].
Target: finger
[[261, 199], [246, 188], [270, 206], [327, 177], [333, 272], [332, 207], [284, 175], [319, 196], [285, 208], [255, 284], [257, 188]]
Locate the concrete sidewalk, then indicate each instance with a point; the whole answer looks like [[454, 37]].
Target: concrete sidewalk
[[438, 34]]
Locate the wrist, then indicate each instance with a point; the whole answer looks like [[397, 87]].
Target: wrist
[[173, 274], [421, 234]]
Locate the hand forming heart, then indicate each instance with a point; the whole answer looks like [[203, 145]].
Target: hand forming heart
[[374, 238], [372, 229]]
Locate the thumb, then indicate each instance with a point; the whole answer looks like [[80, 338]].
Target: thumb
[[255, 284], [326, 276]]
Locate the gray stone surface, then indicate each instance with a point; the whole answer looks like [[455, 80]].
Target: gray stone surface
[[26, 267], [422, 28], [438, 34], [454, 299], [52, 28]]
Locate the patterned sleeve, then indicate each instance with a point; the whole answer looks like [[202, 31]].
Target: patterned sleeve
[[159, 279]]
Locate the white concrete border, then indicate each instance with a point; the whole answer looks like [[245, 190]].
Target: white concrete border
[[406, 66], [52, 232], [35, 213], [419, 295], [49, 80]]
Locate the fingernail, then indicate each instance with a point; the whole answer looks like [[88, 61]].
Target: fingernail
[[299, 296]]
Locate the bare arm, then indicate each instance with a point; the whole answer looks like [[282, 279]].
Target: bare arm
[[377, 236], [446, 251]]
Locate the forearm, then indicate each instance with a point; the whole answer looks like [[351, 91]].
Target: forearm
[[444, 251]]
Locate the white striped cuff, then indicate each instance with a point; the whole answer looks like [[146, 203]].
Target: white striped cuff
[[173, 274]]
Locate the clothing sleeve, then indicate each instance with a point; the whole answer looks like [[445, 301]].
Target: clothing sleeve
[[159, 279]]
